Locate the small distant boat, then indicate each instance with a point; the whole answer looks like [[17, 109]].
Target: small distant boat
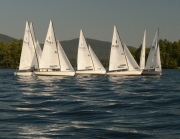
[[87, 61], [54, 61], [121, 60], [153, 64], [28, 61]]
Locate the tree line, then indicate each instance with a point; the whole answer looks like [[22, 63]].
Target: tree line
[[169, 51]]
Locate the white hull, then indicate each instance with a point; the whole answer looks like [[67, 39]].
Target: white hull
[[124, 73], [54, 73], [90, 72], [19, 73], [146, 72]]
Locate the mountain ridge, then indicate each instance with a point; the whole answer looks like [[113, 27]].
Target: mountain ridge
[[101, 48]]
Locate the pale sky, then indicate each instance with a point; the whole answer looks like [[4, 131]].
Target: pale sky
[[95, 17]]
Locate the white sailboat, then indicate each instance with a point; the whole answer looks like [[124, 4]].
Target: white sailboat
[[153, 64], [54, 61], [87, 61], [143, 48], [28, 60], [121, 60]]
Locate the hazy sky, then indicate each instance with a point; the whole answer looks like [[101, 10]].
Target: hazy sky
[[95, 17]]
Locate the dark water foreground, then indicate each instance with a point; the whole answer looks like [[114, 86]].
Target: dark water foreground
[[89, 107]]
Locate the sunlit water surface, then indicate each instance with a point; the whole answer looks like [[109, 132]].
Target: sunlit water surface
[[90, 106]]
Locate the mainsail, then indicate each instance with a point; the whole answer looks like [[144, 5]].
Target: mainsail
[[151, 61], [50, 58], [117, 56], [28, 51], [84, 60], [143, 48]]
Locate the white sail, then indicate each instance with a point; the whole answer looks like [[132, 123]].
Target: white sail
[[28, 51], [143, 48], [117, 56], [65, 65], [84, 61], [49, 58], [32, 32], [158, 60], [36, 43], [97, 64], [38, 50], [150, 64], [132, 64], [36, 57]]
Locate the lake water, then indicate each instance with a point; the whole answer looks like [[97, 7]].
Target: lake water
[[89, 107]]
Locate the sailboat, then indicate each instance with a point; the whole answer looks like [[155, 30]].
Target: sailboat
[[28, 60], [153, 64], [87, 61], [54, 61], [121, 60], [143, 48]]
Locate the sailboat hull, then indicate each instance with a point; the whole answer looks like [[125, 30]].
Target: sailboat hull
[[90, 72], [19, 73], [124, 73], [146, 72], [55, 73]]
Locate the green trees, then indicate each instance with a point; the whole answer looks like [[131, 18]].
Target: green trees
[[170, 54], [10, 54]]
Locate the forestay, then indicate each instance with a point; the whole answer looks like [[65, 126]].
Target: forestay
[[132, 64], [117, 56], [97, 64], [65, 65], [84, 61], [49, 58]]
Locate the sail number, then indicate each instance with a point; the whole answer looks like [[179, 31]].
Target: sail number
[[49, 42], [115, 46], [26, 42], [82, 48]]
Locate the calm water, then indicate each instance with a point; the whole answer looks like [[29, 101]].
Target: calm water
[[89, 107]]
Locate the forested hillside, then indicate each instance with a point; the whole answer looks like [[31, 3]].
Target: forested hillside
[[170, 52]]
